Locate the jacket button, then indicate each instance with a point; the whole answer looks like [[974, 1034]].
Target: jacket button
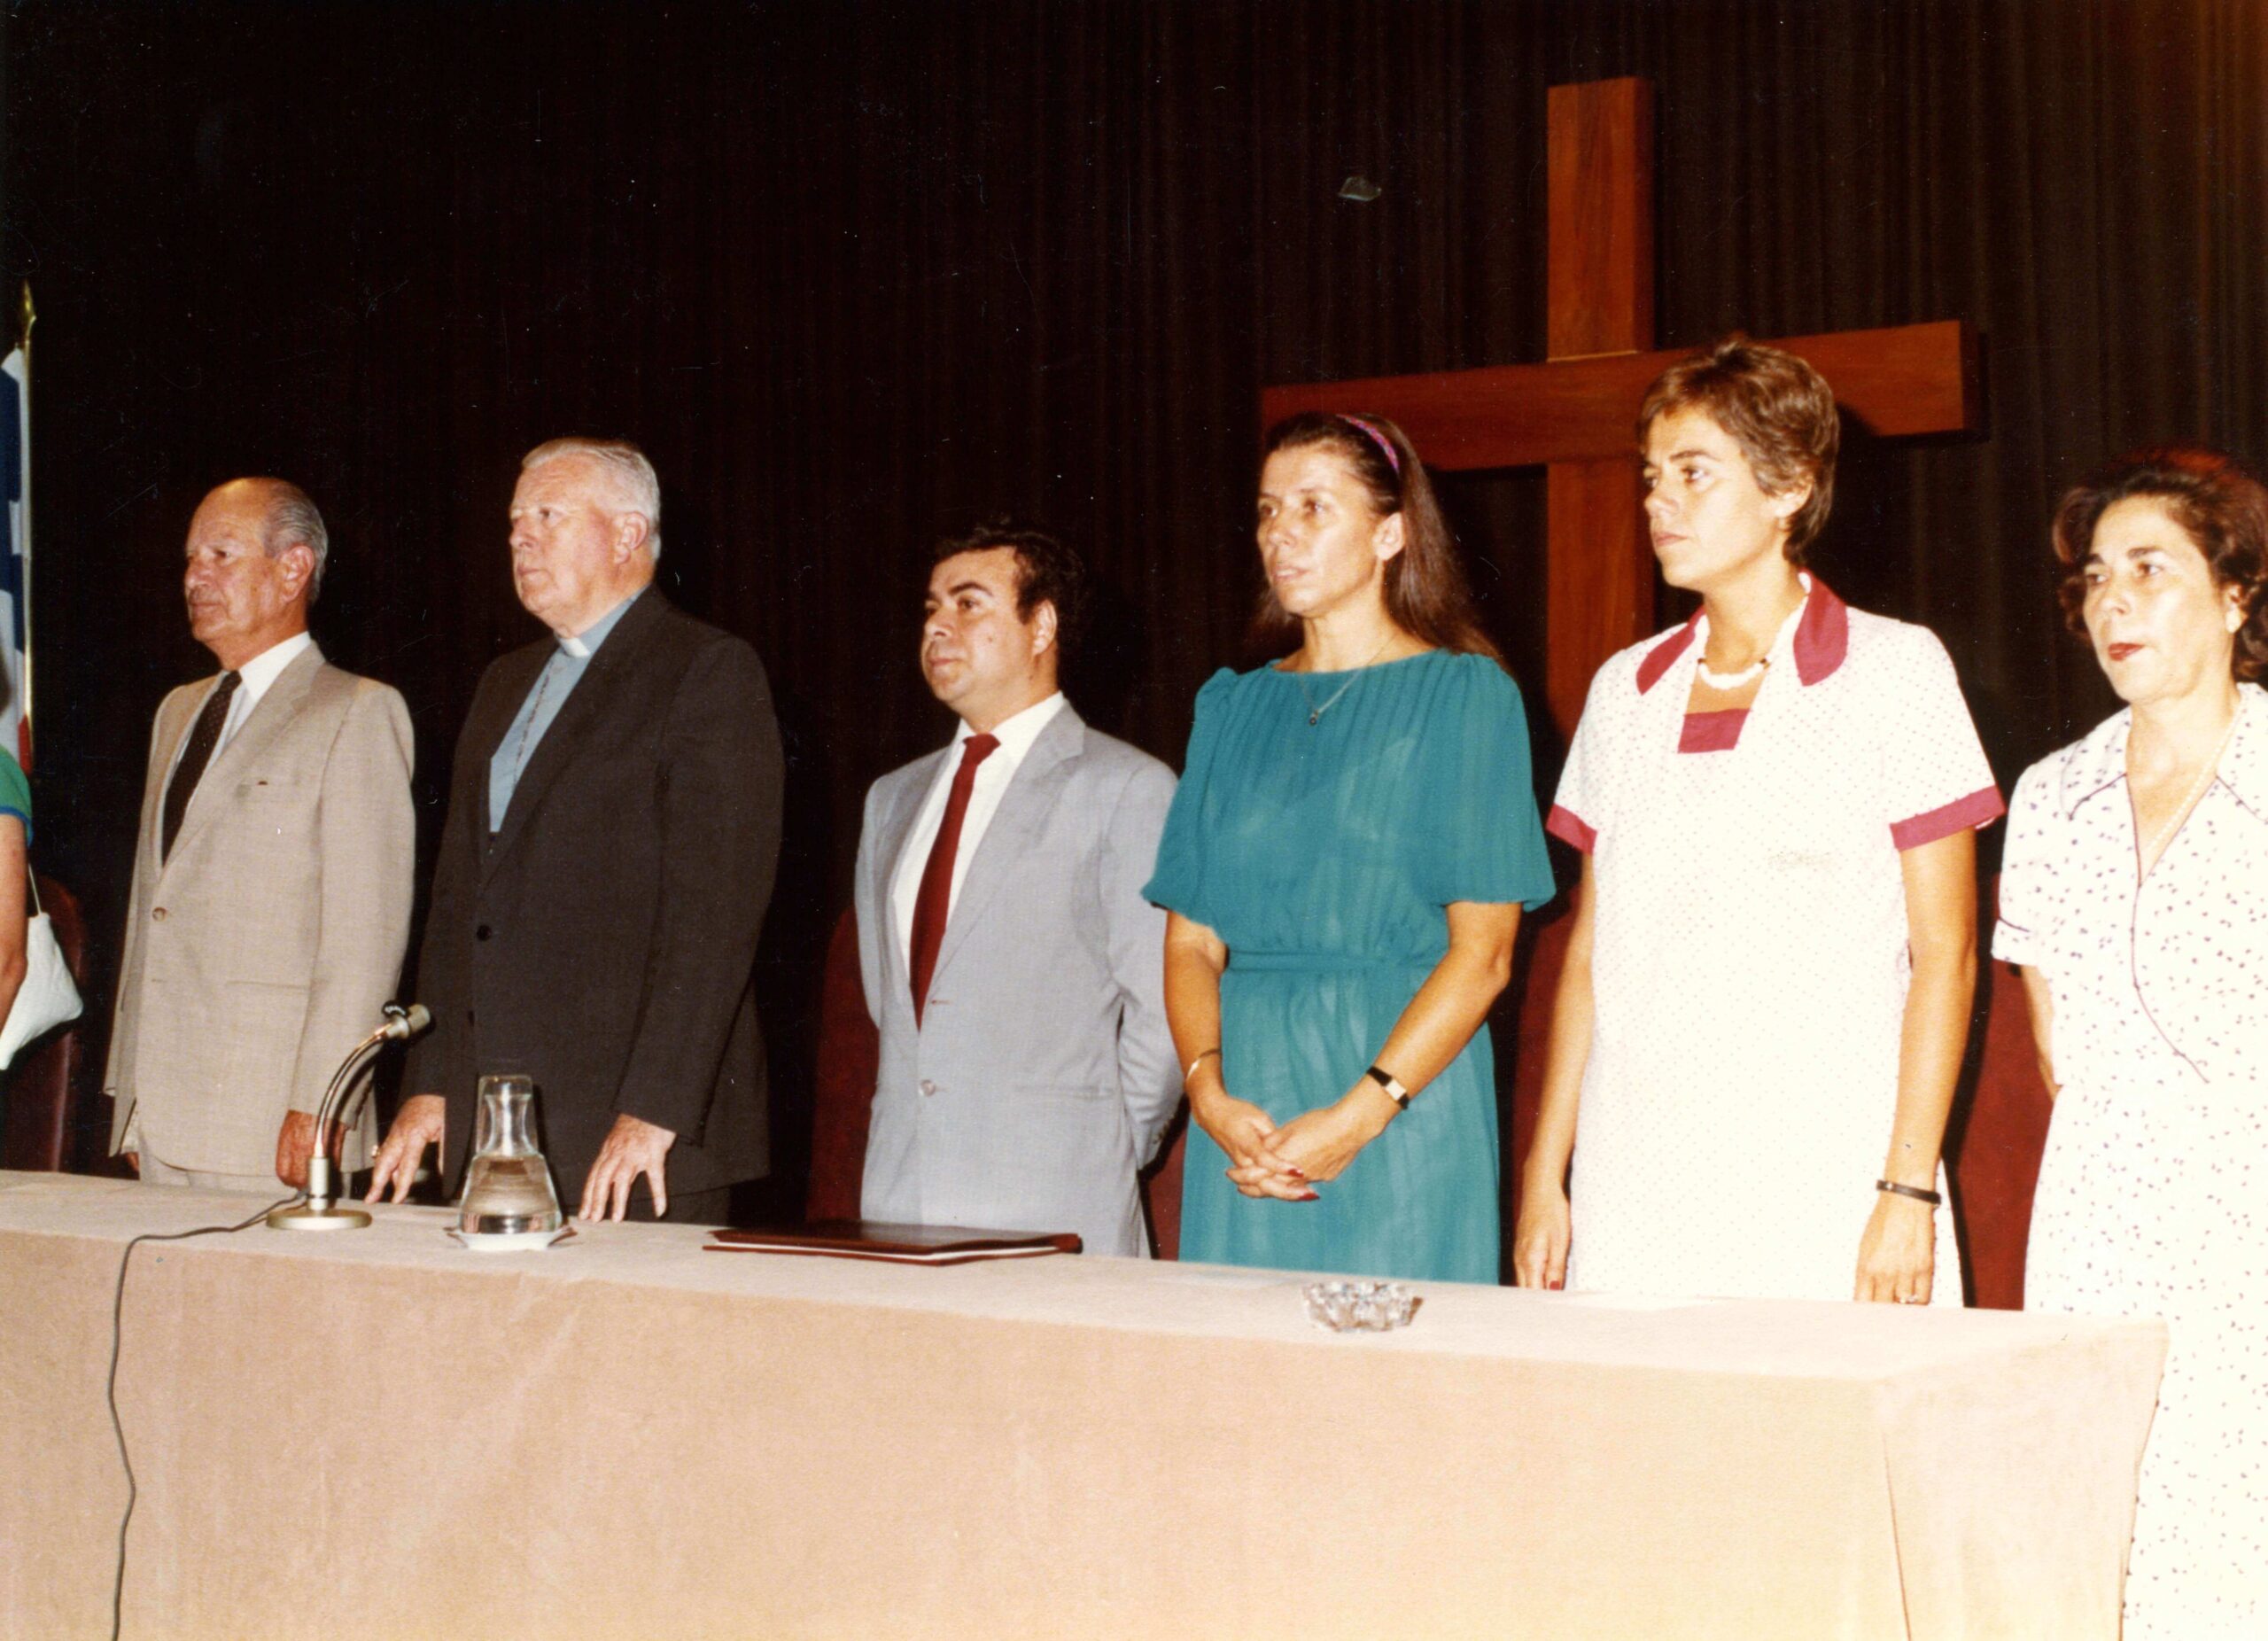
[[481, 933], [928, 1087], [158, 915]]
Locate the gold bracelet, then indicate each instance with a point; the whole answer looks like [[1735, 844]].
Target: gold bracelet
[[1193, 1064]]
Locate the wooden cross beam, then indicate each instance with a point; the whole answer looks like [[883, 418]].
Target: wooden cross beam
[[1576, 414]]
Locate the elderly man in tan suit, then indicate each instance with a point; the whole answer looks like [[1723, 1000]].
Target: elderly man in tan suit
[[272, 872]]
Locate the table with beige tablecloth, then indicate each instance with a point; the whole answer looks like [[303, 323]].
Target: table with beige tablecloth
[[377, 1433]]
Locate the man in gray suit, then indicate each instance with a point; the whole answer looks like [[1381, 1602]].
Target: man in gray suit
[[271, 870], [1016, 972]]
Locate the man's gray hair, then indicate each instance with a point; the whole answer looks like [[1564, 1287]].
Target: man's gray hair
[[293, 521], [637, 487]]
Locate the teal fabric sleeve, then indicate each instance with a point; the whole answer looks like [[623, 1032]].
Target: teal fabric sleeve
[[15, 791], [1487, 843], [1177, 881]]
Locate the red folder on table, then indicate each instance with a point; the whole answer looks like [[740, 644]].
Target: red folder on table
[[904, 1245]]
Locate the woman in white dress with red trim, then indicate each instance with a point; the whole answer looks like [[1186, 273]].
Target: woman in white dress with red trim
[[2134, 897], [1767, 989]]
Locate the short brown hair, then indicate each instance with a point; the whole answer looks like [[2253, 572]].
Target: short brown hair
[[1047, 572], [2213, 497], [1778, 410], [1426, 595]]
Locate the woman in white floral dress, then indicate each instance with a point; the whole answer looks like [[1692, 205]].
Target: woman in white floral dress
[[2135, 895]]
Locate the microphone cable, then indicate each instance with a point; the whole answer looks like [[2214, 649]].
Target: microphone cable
[[117, 1334]]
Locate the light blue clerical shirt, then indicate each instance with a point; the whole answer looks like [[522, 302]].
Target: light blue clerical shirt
[[552, 685]]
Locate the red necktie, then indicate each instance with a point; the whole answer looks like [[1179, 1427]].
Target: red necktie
[[937, 893]]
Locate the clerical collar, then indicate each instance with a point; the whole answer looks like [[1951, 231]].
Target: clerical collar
[[585, 643]]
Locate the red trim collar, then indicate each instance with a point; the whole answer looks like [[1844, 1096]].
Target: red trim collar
[[1659, 658], [1821, 642], [1711, 732], [1823, 636]]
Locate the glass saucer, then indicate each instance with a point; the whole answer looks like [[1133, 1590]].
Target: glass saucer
[[1359, 1307]]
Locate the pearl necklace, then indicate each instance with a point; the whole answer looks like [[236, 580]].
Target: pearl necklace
[[1727, 682], [1314, 712], [2159, 839]]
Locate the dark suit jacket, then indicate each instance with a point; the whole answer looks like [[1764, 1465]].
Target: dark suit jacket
[[602, 940]]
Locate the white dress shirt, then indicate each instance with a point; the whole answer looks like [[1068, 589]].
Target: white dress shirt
[[253, 680], [1016, 736]]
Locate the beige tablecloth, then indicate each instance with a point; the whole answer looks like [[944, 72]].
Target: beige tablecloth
[[377, 1434]]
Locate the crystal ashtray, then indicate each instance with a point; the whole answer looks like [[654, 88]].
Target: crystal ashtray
[[1349, 1307]]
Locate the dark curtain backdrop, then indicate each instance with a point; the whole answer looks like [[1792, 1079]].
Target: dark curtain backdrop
[[862, 274]]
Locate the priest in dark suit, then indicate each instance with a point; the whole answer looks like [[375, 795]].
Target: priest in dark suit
[[613, 828]]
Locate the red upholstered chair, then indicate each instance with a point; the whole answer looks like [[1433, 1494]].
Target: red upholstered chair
[[1162, 1190], [1521, 1026], [41, 1101], [1999, 1129], [842, 1090], [2000, 1120]]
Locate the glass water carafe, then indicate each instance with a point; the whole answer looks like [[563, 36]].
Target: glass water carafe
[[507, 1190]]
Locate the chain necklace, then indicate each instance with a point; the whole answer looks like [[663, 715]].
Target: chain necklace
[[1314, 712]]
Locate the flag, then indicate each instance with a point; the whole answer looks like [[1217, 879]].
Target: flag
[[16, 565]]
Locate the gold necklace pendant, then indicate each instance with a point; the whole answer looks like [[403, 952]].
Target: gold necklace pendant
[[1314, 712]]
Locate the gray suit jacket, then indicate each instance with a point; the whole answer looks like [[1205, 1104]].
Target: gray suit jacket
[[262, 948], [1041, 1077]]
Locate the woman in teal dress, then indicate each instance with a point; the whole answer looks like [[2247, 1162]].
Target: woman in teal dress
[[1344, 865]]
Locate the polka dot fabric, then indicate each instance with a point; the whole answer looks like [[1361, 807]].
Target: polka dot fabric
[[2153, 1195], [1749, 961]]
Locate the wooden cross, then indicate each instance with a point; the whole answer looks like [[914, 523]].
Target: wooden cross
[[1576, 414]]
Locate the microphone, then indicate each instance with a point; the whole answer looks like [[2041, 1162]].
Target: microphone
[[402, 1024], [321, 1210]]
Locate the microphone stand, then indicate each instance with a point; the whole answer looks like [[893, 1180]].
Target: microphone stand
[[321, 1211]]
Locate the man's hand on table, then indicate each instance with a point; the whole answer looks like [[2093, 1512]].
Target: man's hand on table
[[421, 1122], [295, 1147], [632, 1146]]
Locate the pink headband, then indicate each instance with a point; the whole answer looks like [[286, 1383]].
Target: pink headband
[[1385, 445]]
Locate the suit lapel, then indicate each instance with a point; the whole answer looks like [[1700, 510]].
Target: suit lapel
[[1031, 793], [562, 740], [485, 726], [898, 832], [164, 746], [278, 706]]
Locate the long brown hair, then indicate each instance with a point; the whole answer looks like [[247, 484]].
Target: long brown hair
[[1426, 595]]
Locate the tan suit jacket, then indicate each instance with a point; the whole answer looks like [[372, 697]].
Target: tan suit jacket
[[261, 950]]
